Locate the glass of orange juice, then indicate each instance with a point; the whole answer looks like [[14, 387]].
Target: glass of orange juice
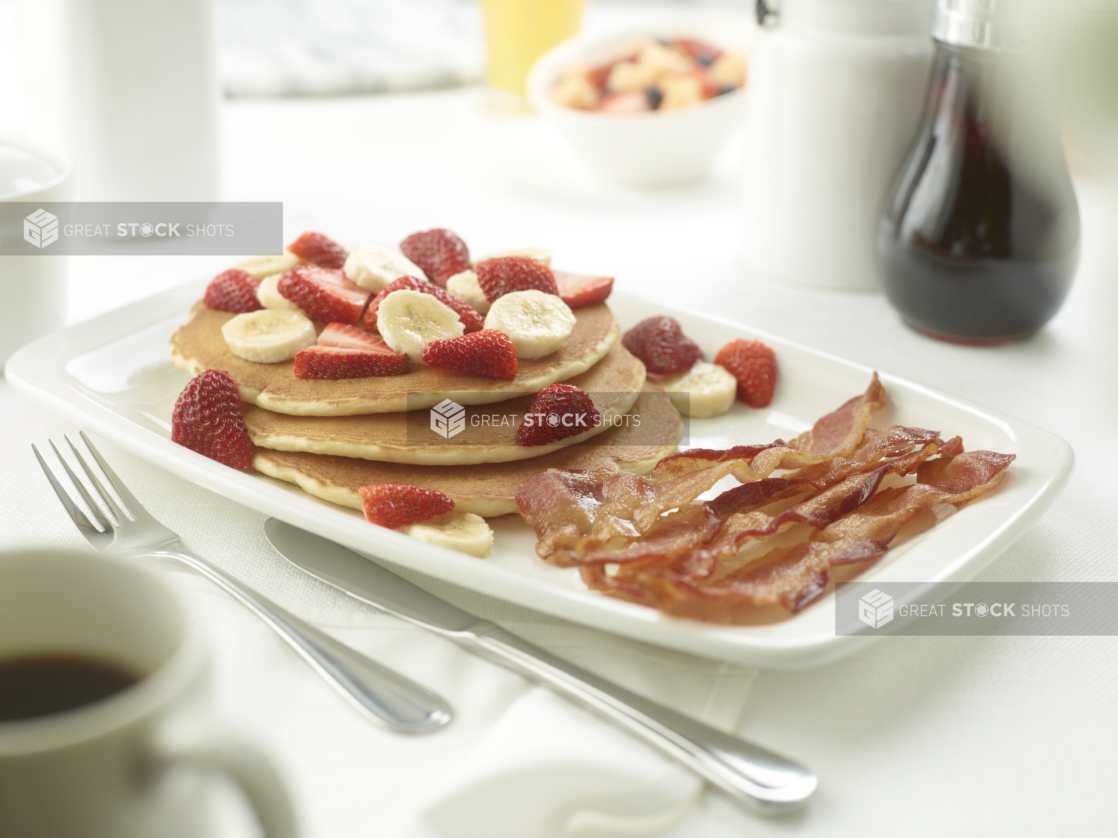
[[517, 32]]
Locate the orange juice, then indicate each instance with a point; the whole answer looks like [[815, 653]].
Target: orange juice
[[517, 32]]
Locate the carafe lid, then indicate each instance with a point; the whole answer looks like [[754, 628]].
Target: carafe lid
[[981, 24], [849, 17]]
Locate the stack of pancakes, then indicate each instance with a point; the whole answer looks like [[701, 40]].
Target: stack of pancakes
[[332, 437]]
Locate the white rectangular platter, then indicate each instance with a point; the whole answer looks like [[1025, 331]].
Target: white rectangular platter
[[112, 375]]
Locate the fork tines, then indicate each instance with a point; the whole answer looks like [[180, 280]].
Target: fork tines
[[109, 503]]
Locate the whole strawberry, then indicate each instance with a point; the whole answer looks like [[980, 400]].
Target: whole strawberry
[[487, 353], [661, 346], [207, 419], [504, 274], [557, 412], [397, 505], [319, 250], [233, 290], [439, 253], [753, 364]]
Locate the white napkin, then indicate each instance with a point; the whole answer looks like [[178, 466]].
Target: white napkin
[[517, 760], [548, 769]]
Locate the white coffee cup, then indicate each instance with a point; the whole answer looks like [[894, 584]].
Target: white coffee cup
[[32, 288], [120, 767]]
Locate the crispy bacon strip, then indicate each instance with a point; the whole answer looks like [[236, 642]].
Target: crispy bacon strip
[[795, 576], [835, 435], [565, 507], [705, 533]]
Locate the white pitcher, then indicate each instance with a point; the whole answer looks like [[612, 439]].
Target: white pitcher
[[836, 93]]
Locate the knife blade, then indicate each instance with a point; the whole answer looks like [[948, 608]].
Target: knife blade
[[770, 783]]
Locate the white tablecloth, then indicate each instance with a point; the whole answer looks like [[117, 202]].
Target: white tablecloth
[[915, 736]]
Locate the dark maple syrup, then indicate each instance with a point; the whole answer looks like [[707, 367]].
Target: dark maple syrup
[[980, 239]]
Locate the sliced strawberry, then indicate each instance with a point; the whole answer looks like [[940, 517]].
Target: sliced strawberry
[[324, 294], [350, 337], [504, 274], [753, 364], [439, 253], [396, 505], [233, 290], [318, 249], [633, 101], [557, 411], [579, 291], [207, 419], [333, 362], [466, 312], [661, 346], [487, 353]]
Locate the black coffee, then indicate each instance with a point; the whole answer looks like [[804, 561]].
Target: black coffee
[[37, 686]]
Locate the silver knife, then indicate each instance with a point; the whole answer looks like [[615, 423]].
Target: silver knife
[[747, 772]]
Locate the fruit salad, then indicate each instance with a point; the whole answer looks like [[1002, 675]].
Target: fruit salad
[[648, 75]]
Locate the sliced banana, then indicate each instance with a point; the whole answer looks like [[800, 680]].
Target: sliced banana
[[270, 335], [703, 391], [536, 323], [462, 531], [540, 254], [267, 293], [262, 266], [409, 320], [373, 266], [465, 286]]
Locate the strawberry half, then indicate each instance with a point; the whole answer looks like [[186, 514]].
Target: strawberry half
[[661, 346], [349, 337], [439, 253], [487, 353], [207, 419], [397, 505], [333, 362], [233, 290], [319, 249], [324, 294], [579, 291], [753, 364], [469, 316], [504, 274], [557, 411]]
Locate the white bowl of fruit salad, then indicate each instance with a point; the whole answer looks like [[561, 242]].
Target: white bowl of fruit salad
[[650, 106]]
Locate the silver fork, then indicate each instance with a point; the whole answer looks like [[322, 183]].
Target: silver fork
[[380, 694]]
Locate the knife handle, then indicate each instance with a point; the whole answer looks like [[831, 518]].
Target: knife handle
[[380, 694], [768, 782]]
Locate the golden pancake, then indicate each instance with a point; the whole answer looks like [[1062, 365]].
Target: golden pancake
[[487, 435], [487, 490], [199, 346]]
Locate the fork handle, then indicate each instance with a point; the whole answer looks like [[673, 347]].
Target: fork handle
[[380, 694]]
